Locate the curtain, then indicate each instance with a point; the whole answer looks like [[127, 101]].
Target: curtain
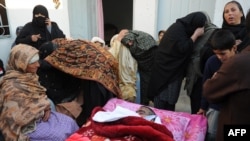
[[100, 20], [86, 19], [95, 19]]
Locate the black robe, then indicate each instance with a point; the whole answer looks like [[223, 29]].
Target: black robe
[[30, 29], [61, 87], [174, 52], [143, 50]]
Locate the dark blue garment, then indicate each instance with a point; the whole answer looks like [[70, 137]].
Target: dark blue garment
[[1, 137], [212, 65]]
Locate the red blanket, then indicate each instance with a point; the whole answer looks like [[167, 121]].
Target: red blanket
[[133, 128]]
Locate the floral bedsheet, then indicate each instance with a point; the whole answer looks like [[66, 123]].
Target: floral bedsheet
[[184, 126]]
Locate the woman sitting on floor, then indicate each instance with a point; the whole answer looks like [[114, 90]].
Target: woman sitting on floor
[[24, 107]]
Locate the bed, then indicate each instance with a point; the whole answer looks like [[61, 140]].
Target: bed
[[183, 126]]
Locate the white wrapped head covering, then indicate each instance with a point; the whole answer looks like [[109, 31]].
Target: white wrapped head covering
[[98, 39], [34, 58]]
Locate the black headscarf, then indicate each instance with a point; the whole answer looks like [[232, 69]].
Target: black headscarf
[[246, 41], [193, 21], [46, 49], [40, 21], [248, 22], [40, 9]]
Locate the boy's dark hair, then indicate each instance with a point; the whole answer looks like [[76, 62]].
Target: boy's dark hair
[[222, 39]]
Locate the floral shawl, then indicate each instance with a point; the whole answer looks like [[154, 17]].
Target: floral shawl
[[85, 60], [22, 99]]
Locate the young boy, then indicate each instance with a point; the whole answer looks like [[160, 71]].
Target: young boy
[[224, 48], [230, 87]]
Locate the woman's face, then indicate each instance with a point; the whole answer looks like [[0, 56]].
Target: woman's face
[[232, 14], [160, 36], [32, 68]]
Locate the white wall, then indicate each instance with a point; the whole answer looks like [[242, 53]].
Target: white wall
[[145, 15], [170, 10], [19, 12]]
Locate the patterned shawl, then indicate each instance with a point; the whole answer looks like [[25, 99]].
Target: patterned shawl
[[142, 49], [85, 60], [22, 99]]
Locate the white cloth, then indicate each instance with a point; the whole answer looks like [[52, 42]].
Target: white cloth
[[34, 58], [98, 39], [120, 112]]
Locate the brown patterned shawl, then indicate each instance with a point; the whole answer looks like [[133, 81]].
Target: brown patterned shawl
[[85, 60], [22, 99]]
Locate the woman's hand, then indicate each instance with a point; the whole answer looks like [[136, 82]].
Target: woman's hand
[[46, 114], [237, 42], [197, 33], [201, 112], [122, 34], [35, 37]]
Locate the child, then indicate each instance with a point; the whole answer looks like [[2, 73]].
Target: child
[[224, 48]]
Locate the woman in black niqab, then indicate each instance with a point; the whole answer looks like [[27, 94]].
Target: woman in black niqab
[[40, 20], [41, 28]]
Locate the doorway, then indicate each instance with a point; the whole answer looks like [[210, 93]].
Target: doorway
[[117, 15]]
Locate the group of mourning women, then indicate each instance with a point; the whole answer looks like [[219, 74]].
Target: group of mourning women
[[54, 83]]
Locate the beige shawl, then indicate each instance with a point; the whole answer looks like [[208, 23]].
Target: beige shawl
[[22, 98], [127, 69]]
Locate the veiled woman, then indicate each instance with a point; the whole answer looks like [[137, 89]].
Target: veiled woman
[[94, 65], [172, 59], [142, 47], [40, 30]]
